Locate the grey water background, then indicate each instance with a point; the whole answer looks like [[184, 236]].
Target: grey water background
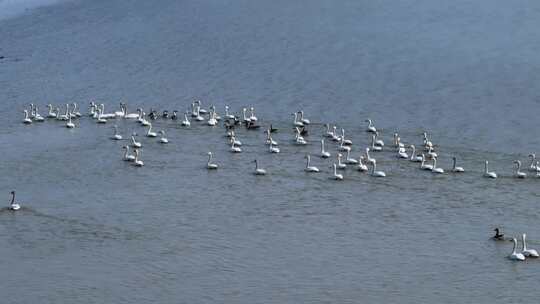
[[95, 229]]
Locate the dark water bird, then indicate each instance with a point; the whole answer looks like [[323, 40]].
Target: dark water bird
[[174, 115], [272, 129], [165, 114], [499, 236], [251, 125]]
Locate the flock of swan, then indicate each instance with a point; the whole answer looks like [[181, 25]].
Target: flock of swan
[[515, 255], [427, 159]]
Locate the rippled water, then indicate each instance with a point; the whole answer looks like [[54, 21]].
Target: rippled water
[[96, 229]]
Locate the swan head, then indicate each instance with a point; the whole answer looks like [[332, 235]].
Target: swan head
[[209, 153]]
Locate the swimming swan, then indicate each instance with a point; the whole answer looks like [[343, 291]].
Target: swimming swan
[[13, 205], [336, 176], [374, 171], [518, 173], [527, 252], [487, 173], [310, 168], [258, 171], [127, 156], [116, 136], [454, 168], [514, 255], [137, 162], [209, 164]]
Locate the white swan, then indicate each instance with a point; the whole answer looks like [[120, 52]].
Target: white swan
[[342, 146], [13, 205], [335, 137], [423, 164], [454, 168], [310, 168], [374, 171], [361, 166], [227, 115], [258, 171], [134, 143], [302, 119], [100, 119], [74, 112], [127, 156], [373, 146], [51, 114], [397, 141], [70, 124], [37, 116], [297, 123], [26, 119], [328, 133], [198, 112], [122, 112], [128, 115], [209, 164], [402, 153], [106, 115], [273, 149], [515, 256], [415, 158], [518, 173], [269, 140], [212, 121], [345, 141], [163, 139], [299, 140], [378, 142], [528, 252], [137, 162], [435, 169], [186, 122], [252, 117], [370, 127], [430, 153], [427, 142], [324, 154], [487, 173], [116, 136], [336, 176], [368, 158], [64, 117], [533, 167], [340, 165], [199, 106], [92, 109], [244, 117], [235, 149], [149, 133], [350, 160], [235, 141]]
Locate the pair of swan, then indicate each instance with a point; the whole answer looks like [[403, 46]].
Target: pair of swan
[[433, 168], [252, 117], [520, 256], [34, 114]]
